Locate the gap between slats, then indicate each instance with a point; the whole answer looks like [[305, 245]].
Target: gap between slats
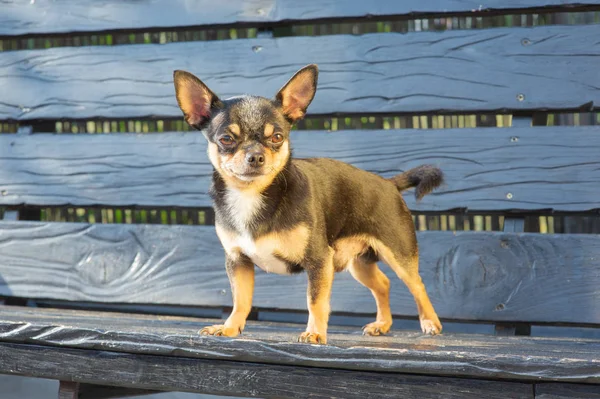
[[354, 26]]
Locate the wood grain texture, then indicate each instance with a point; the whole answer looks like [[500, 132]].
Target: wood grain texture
[[566, 391], [455, 355], [469, 276], [486, 169], [21, 17], [478, 70], [238, 378]]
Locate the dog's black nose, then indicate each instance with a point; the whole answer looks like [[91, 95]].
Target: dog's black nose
[[255, 159]]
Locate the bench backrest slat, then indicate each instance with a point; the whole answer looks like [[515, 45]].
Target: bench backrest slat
[[39, 17], [469, 276], [377, 73], [486, 169]]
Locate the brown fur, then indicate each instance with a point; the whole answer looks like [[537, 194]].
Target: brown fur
[[315, 215]]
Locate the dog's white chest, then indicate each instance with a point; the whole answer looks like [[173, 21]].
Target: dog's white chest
[[262, 253], [245, 206]]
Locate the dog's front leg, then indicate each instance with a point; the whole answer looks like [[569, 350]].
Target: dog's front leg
[[318, 296], [241, 277]]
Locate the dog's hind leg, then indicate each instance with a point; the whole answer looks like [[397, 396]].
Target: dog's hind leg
[[368, 274], [408, 271]]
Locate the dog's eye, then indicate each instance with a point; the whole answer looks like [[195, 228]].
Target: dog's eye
[[226, 140], [276, 138]]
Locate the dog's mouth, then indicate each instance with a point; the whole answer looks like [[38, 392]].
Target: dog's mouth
[[250, 175]]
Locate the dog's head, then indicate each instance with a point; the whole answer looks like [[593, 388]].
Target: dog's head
[[248, 136]]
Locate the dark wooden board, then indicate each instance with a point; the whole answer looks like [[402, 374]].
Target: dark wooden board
[[93, 391], [486, 169], [566, 391], [21, 17], [238, 378], [469, 275], [68, 390], [454, 355], [562, 331], [456, 70]]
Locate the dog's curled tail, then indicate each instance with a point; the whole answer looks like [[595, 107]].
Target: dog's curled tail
[[425, 178]]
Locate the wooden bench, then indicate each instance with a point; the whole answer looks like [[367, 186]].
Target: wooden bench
[[114, 309]]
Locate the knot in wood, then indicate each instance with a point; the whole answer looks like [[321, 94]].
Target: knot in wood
[[111, 260]]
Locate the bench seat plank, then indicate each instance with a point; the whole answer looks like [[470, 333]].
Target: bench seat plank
[[481, 276], [171, 373], [541, 168], [25, 17], [566, 391], [455, 70], [475, 356]]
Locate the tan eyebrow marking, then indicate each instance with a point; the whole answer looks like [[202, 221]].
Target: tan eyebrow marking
[[269, 129], [234, 128]]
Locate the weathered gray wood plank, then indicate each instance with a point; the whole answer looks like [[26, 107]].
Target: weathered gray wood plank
[[480, 70], [21, 17], [467, 355], [486, 169], [469, 276], [238, 378], [566, 391]]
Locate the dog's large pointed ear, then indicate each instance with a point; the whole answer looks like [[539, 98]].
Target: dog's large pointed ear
[[296, 95], [195, 99]]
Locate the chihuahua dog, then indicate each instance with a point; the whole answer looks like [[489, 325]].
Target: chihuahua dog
[[288, 215]]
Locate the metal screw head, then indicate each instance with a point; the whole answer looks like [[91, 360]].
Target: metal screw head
[[520, 97], [514, 139], [500, 306], [509, 195], [4, 192], [260, 11], [257, 49], [525, 42], [223, 292]]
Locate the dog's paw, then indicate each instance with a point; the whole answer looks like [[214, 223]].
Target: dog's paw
[[377, 328], [219, 330], [312, 338], [431, 327]]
